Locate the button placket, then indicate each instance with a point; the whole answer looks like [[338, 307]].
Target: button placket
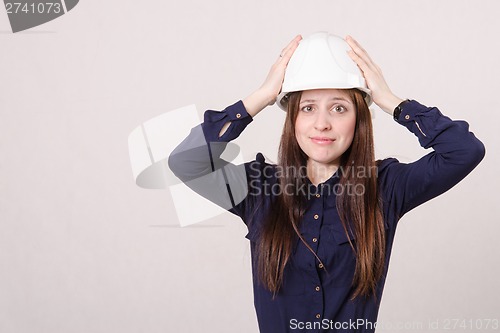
[[316, 212]]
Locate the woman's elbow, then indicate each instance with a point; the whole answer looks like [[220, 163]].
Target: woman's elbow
[[477, 152], [175, 165], [187, 165], [472, 153]]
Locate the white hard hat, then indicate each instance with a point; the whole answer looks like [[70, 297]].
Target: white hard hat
[[321, 61]]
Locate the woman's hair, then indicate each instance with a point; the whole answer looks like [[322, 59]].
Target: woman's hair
[[359, 213]]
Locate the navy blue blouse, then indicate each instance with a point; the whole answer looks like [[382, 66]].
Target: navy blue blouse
[[316, 297]]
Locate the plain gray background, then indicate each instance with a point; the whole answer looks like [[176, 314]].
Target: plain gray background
[[83, 249]]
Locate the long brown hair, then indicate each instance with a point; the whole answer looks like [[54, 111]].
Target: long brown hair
[[359, 213]]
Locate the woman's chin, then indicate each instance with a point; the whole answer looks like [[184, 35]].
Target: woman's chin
[[325, 160]]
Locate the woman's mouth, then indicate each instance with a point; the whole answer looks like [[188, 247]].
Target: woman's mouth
[[322, 140]]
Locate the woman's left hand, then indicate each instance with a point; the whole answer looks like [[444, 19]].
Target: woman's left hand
[[381, 94]]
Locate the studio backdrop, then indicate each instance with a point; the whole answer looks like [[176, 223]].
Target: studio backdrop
[[87, 245]]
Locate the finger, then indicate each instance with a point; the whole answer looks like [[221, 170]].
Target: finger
[[360, 62], [286, 54], [360, 52], [356, 46], [292, 43], [291, 46]]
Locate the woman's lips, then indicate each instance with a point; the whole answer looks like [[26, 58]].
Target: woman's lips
[[322, 140]]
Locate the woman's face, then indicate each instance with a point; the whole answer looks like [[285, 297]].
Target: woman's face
[[325, 124]]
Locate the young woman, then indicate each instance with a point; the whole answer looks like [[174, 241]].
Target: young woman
[[322, 220]]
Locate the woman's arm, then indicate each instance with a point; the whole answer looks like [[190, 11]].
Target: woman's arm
[[456, 153], [267, 93], [196, 160], [456, 150], [381, 94]]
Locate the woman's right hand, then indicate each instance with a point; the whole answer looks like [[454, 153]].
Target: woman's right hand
[[274, 80], [269, 90]]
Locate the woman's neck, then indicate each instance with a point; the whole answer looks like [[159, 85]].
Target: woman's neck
[[319, 172]]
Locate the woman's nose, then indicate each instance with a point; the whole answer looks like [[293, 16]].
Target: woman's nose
[[322, 121]]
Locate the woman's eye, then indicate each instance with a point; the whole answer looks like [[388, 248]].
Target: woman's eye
[[307, 108], [339, 109]]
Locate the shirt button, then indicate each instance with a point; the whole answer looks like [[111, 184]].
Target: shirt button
[[318, 316], [317, 195], [316, 216], [321, 266], [315, 240], [407, 117], [317, 288], [238, 115]]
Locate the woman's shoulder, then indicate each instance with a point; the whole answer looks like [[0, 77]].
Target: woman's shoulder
[[387, 170], [384, 164], [261, 169], [260, 162]]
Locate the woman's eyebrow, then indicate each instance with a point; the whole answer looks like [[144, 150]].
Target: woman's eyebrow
[[331, 99]]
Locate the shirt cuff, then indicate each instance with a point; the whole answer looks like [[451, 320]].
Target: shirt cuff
[[213, 122], [409, 110], [237, 111], [422, 121]]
